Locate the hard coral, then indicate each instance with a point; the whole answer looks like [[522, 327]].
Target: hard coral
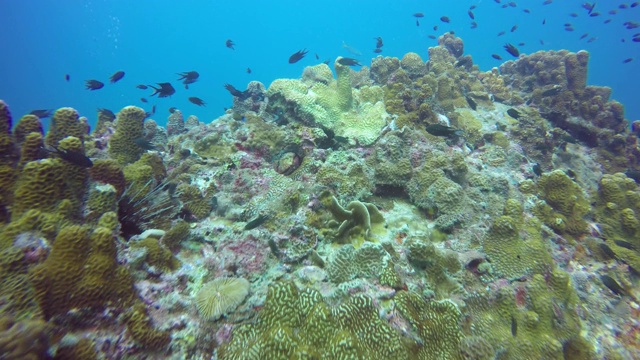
[[221, 296], [298, 323], [66, 122], [567, 203], [129, 127], [356, 216], [23, 340]]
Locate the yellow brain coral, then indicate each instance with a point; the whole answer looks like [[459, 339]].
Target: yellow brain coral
[[221, 296]]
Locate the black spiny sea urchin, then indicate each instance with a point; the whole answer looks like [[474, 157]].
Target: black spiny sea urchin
[[138, 211]]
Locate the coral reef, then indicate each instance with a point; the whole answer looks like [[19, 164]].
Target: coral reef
[[327, 217]]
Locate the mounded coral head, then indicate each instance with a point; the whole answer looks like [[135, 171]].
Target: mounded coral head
[[413, 64], [452, 43]]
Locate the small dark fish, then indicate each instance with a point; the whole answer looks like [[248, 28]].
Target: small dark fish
[[442, 130], [191, 75], [544, 21], [472, 7], [501, 33], [633, 174], [612, 284], [635, 4], [584, 36], [512, 4], [42, 114], [432, 37], [594, 14], [471, 15], [117, 76], [348, 61], [172, 110], [623, 6], [197, 101], [569, 28], [73, 157], [297, 56], [243, 95], [514, 28], [471, 102], [555, 90], [93, 85], [607, 21], [496, 56], [547, 2], [143, 143], [474, 24], [445, 19], [256, 222], [624, 244], [527, 11], [514, 113], [417, 23], [153, 109], [592, 39], [165, 90], [607, 250], [142, 87], [573, 15], [613, 12], [514, 326], [627, 60], [143, 100], [67, 77], [230, 44], [589, 7], [418, 15], [326, 62], [537, 169], [248, 70], [464, 61], [377, 50], [379, 42], [147, 114], [512, 50], [435, 28], [317, 57], [521, 44], [107, 114]]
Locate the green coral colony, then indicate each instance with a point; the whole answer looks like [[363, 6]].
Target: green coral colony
[[339, 227]]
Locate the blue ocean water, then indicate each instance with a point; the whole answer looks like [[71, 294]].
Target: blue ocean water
[[42, 40]]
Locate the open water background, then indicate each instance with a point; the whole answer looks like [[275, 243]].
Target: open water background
[[152, 40]]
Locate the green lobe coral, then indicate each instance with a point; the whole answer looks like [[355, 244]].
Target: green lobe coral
[[129, 127]]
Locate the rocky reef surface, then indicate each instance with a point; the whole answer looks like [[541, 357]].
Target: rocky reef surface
[[332, 217]]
